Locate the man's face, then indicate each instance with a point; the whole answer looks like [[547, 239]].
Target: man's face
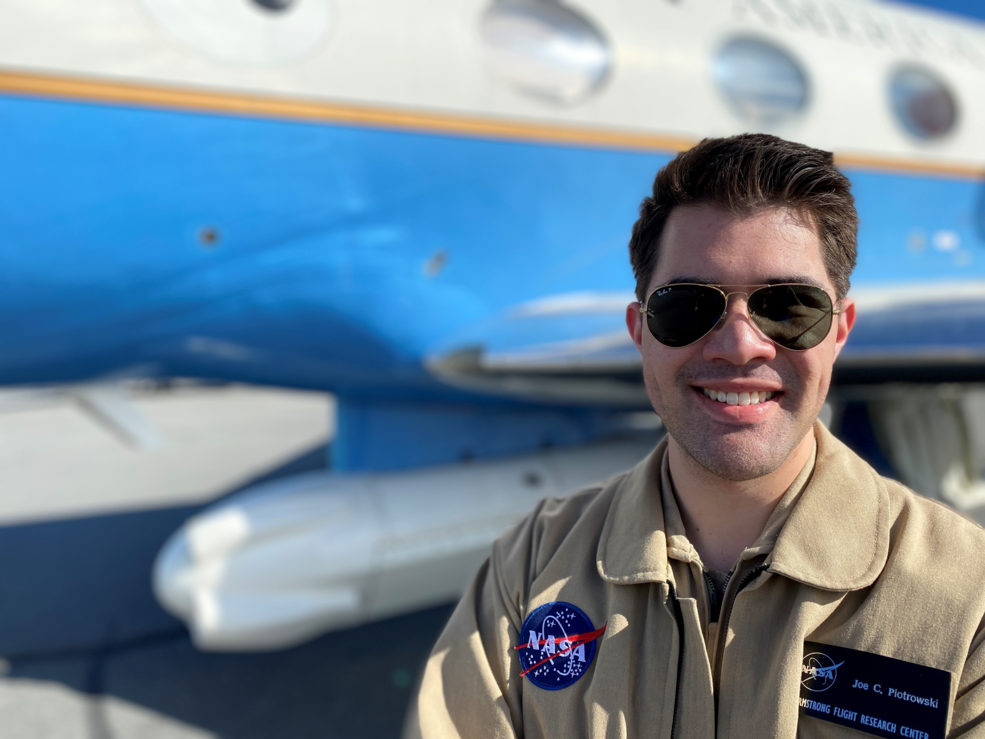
[[738, 442]]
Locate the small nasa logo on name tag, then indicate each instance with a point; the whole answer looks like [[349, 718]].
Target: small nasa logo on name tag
[[819, 672], [557, 645]]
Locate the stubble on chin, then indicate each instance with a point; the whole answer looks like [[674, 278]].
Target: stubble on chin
[[730, 453], [736, 456]]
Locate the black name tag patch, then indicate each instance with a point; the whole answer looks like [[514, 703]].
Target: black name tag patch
[[879, 695]]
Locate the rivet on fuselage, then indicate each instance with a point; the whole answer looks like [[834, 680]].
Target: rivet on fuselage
[[436, 263], [208, 237]]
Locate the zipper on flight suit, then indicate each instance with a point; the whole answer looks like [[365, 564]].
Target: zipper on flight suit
[[679, 617], [722, 630], [727, 604], [714, 607]]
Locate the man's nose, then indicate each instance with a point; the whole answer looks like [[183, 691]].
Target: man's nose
[[736, 338]]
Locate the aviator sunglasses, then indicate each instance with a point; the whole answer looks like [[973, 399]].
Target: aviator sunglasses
[[791, 315]]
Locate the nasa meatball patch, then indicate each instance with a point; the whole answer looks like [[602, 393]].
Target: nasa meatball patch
[[559, 645]]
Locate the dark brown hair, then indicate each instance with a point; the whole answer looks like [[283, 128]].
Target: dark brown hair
[[744, 174]]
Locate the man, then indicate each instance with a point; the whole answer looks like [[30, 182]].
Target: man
[[752, 577]]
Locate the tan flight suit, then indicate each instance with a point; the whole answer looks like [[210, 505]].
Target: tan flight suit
[[847, 559]]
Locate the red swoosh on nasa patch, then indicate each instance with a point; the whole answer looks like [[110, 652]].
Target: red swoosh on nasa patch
[[575, 640]]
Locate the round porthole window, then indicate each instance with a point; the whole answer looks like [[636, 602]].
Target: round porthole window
[[762, 83], [545, 49], [245, 31], [274, 4], [922, 103]]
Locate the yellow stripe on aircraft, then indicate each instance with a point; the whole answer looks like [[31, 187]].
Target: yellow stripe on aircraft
[[120, 93]]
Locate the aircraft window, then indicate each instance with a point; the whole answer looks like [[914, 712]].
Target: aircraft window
[[762, 83], [922, 102], [274, 4], [259, 32], [545, 49]]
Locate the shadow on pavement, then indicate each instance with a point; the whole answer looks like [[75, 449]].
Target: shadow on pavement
[[76, 608], [353, 683]]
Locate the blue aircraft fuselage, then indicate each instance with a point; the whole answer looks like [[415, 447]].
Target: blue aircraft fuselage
[[332, 257]]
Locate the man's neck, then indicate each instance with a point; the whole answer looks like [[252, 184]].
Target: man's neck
[[724, 517]]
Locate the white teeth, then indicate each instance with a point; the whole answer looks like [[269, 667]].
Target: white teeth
[[743, 398]]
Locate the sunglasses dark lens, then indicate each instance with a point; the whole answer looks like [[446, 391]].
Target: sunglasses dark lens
[[678, 315], [794, 316]]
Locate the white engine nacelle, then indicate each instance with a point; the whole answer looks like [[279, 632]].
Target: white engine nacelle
[[274, 566]]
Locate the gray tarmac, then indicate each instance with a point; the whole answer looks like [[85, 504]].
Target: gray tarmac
[[85, 650]]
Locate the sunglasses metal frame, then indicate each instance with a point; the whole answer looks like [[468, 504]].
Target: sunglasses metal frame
[[756, 288]]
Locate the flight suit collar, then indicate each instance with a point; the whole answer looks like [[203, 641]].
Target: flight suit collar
[[633, 545], [835, 538]]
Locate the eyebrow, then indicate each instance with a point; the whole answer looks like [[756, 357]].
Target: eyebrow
[[776, 280]]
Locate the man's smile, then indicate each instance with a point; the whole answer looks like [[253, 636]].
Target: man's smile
[[737, 402], [738, 396]]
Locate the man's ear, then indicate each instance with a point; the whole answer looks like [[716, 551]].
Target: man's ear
[[634, 322], [846, 320]]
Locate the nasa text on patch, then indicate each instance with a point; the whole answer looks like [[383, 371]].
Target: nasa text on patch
[[879, 695], [557, 645]]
